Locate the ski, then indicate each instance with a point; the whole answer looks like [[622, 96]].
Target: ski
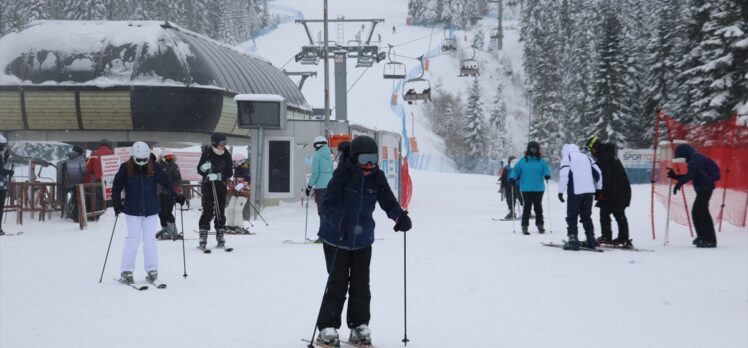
[[13, 234], [320, 344], [134, 286], [233, 233], [204, 250], [228, 250], [556, 245], [157, 285], [358, 345], [623, 247], [497, 219], [308, 241]]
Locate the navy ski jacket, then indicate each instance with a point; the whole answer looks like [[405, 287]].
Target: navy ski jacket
[[696, 168], [349, 203], [141, 190]]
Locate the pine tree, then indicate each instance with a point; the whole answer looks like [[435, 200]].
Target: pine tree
[[478, 39], [497, 121], [612, 113], [476, 137]]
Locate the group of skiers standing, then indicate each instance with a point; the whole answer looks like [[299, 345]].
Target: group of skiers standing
[[600, 178]]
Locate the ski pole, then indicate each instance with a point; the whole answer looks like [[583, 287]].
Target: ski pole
[[216, 209], [405, 292], [258, 213], [116, 217], [667, 221], [550, 216], [327, 288], [306, 218], [511, 193], [184, 257]]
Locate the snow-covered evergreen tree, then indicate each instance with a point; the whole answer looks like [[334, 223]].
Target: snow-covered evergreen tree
[[478, 39], [497, 121], [476, 135]]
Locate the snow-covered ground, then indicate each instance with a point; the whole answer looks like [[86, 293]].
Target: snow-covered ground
[[471, 283]]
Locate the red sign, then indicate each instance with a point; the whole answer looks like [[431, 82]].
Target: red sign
[[187, 162]]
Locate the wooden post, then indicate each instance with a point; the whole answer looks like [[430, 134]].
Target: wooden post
[[82, 214]]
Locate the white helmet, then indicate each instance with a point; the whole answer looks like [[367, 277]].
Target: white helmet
[[140, 152], [319, 141]]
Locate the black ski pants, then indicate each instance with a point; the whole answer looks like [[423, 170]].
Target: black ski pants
[[512, 195], [349, 274], [319, 195], [532, 199], [580, 207], [209, 205], [702, 218], [3, 193], [166, 214], [606, 223]]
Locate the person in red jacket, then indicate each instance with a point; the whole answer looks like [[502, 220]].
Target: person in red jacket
[[93, 166]]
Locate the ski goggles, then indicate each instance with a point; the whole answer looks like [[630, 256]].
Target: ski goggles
[[140, 161], [221, 143], [366, 158]]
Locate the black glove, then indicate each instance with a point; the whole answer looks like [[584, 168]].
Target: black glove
[[308, 190], [403, 222], [561, 197], [676, 188], [599, 195], [547, 177], [180, 198], [117, 207], [672, 175]]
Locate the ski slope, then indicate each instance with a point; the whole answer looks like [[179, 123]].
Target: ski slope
[[471, 283]]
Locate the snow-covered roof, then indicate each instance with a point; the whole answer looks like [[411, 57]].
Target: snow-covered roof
[[124, 53], [259, 97]]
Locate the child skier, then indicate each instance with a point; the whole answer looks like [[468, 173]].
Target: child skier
[[239, 192], [348, 234], [582, 177], [139, 178], [168, 164]]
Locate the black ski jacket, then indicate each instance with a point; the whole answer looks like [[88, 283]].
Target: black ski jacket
[[616, 193]]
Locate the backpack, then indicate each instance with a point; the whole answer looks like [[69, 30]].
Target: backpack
[[712, 170]]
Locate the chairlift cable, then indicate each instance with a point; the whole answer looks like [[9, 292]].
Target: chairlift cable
[[289, 61]]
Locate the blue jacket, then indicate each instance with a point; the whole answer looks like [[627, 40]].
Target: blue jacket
[[349, 203], [141, 191], [696, 168], [530, 171], [321, 168]]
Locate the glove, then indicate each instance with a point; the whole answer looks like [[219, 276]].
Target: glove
[[676, 188], [547, 177], [308, 190], [180, 198], [212, 177], [598, 195], [403, 222], [117, 207], [205, 167], [672, 175], [561, 197]]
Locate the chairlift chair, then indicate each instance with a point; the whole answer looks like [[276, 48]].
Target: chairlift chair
[[469, 67], [449, 44], [309, 55], [393, 70], [417, 89], [366, 57]]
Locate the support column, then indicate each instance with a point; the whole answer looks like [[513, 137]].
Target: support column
[[341, 86]]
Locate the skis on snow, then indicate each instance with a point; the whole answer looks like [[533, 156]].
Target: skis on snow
[[557, 245], [207, 250], [342, 344], [157, 285], [134, 286]]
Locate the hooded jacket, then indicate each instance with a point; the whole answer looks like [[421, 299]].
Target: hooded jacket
[[141, 190], [93, 166], [321, 168], [577, 172], [349, 203], [530, 171], [616, 187], [697, 170]]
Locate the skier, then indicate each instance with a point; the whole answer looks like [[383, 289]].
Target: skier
[[511, 192], [321, 172], [704, 172], [215, 166], [530, 171], [93, 170], [583, 178], [5, 175], [139, 178], [72, 173], [348, 234], [615, 196], [239, 191], [168, 164]]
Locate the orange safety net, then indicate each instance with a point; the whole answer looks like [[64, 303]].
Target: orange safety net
[[726, 143]]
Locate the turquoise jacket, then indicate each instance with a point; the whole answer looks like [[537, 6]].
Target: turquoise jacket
[[530, 172], [321, 168]]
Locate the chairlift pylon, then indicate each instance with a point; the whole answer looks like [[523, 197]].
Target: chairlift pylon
[[393, 69]]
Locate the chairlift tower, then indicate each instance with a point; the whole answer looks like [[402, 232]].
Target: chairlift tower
[[365, 53], [499, 35]]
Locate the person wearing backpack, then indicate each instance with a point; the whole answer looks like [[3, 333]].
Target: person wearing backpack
[[704, 172]]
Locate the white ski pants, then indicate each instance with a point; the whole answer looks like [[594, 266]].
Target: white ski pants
[[234, 212], [140, 227]]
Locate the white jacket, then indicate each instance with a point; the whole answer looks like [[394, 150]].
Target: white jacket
[[579, 166]]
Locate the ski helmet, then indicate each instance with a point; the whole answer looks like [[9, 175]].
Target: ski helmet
[[593, 142], [363, 144], [140, 152], [217, 139], [319, 142]]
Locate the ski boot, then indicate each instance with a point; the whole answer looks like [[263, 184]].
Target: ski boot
[[509, 216], [696, 241], [541, 229], [160, 233], [221, 242], [1, 232], [152, 276], [126, 277], [203, 242], [360, 335], [604, 240], [524, 230], [705, 244], [622, 243], [328, 336], [572, 244]]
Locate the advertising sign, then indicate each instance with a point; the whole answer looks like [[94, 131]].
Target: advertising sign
[[109, 167]]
